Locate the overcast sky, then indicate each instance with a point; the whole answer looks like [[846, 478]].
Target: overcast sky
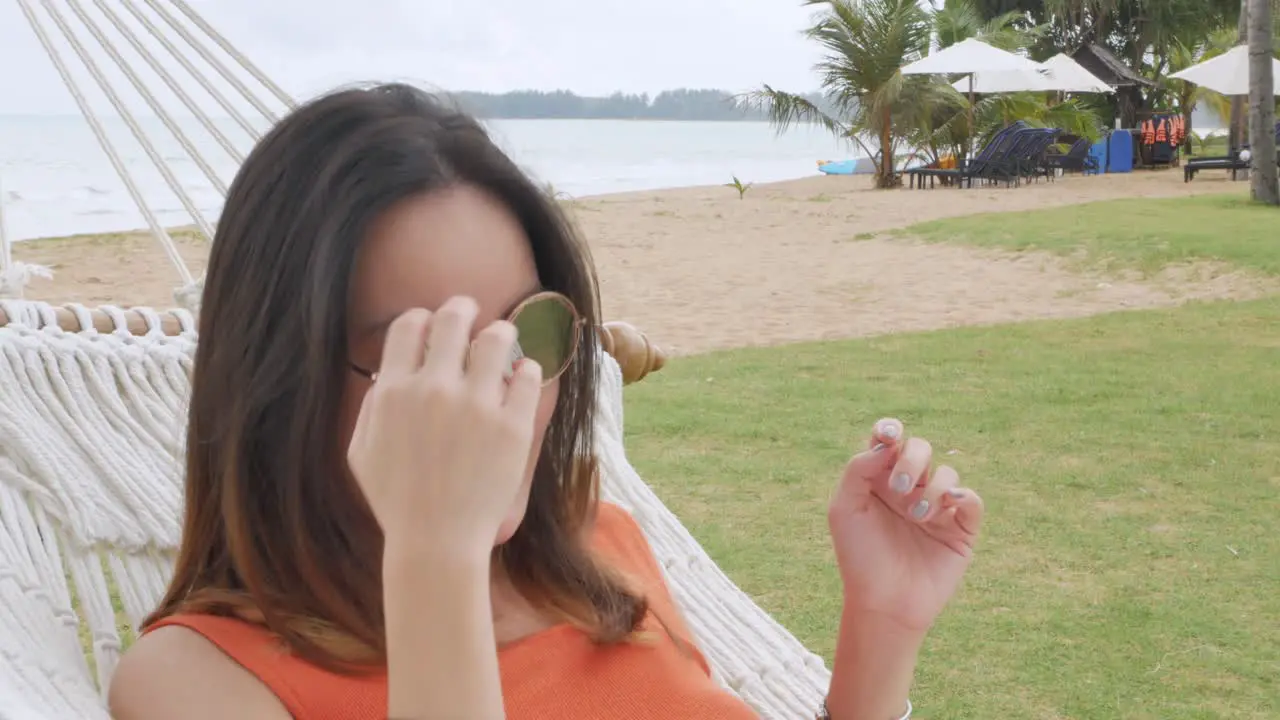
[[591, 47]]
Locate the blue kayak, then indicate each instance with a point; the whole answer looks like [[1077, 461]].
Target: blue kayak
[[856, 166], [860, 166]]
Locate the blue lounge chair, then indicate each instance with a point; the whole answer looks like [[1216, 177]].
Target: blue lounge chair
[[991, 153]]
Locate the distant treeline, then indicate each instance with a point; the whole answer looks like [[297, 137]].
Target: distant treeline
[[683, 104]]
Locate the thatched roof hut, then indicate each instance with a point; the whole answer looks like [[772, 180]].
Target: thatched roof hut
[[1108, 68], [1113, 71]]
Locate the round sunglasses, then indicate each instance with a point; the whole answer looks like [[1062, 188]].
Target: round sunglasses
[[548, 330]]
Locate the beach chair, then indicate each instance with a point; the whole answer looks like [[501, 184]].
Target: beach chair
[[1030, 161], [990, 155], [1075, 159], [1230, 162], [1233, 163], [92, 415], [1016, 161]]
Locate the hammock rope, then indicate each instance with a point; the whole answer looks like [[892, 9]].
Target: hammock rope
[[180, 41]]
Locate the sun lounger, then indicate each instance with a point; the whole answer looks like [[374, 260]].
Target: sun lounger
[[1232, 163], [1075, 159], [1023, 158], [992, 152], [1029, 158]]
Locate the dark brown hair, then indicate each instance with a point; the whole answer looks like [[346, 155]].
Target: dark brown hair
[[276, 531]]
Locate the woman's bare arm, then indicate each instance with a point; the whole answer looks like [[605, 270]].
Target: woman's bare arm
[[174, 672], [442, 658]]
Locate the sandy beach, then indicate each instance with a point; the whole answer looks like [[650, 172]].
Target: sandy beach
[[698, 269]]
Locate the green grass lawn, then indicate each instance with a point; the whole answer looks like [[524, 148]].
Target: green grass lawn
[[1129, 234], [1131, 466], [1130, 462]]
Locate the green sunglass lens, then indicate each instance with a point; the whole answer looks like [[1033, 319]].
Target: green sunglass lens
[[546, 327]]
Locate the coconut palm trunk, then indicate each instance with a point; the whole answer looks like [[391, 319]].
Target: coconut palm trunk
[[886, 148], [1262, 104], [1238, 124]]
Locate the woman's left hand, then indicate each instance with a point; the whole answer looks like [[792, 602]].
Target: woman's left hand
[[903, 531]]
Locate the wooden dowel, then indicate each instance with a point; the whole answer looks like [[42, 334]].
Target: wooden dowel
[[636, 355], [102, 322], [633, 350]]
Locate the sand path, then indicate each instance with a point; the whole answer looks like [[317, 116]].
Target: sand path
[[701, 272], [697, 269]]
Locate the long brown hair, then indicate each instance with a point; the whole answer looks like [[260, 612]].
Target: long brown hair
[[276, 531]]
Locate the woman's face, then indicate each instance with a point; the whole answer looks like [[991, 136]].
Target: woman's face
[[459, 241]]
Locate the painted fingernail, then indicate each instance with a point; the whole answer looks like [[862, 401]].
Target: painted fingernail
[[889, 430], [902, 483], [956, 494], [920, 509]]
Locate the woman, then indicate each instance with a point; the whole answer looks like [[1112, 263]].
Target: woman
[[388, 512]]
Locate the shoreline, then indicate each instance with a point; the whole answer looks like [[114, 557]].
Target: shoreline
[[816, 258], [567, 198]]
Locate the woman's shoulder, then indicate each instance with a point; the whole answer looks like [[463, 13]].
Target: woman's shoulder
[[626, 546], [613, 519], [616, 529], [620, 538], [176, 671]]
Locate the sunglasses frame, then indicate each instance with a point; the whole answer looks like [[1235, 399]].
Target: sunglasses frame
[[576, 340]]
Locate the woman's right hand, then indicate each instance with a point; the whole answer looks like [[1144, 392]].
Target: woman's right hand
[[440, 450], [443, 440]]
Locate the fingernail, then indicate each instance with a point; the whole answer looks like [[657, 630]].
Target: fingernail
[[956, 494], [920, 509], [902, 483], [878, 448], [889, 430]]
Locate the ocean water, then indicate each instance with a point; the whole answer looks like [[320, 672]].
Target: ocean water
[[55, 179]]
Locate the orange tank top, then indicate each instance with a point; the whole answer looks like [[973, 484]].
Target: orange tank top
[[556, 674]]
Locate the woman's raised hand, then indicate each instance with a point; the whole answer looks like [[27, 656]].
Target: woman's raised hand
[[903, 530], [443, 439]]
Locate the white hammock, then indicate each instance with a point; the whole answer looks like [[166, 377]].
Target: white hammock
[[91, 492], [91, 423], [146, 26]]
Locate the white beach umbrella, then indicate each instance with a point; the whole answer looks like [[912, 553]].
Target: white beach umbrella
[[1058, 74], [1067, 75], [1005, 81], [970, 57], [1227, 74]]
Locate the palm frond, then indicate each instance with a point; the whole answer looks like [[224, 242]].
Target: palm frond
[[786, 109], [1075, 117]]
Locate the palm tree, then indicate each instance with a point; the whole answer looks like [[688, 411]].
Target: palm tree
[[877, 108], [1262, 106], [959, 20], [864, 44]]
